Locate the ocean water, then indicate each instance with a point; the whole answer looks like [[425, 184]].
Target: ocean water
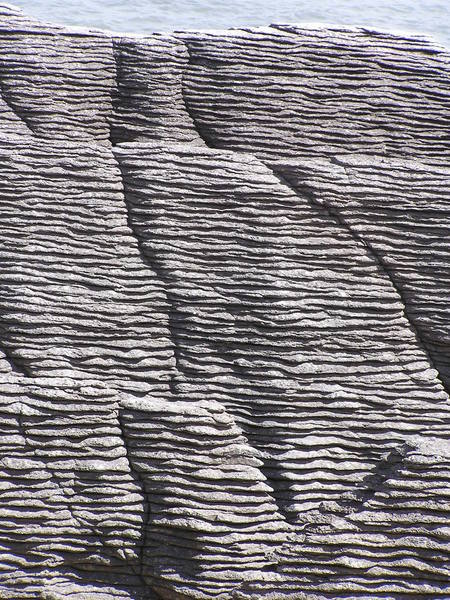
[[431, 17]]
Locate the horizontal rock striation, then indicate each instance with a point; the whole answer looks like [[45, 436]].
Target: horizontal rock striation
[[225, 334], [395, 207], [290, 95], [276, 313]]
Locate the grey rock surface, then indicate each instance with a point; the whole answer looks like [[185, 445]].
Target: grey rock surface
[[224, 314]]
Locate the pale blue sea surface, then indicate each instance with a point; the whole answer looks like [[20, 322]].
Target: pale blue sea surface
[[146, 16]]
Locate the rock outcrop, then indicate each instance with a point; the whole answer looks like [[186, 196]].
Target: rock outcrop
[[224, 316]]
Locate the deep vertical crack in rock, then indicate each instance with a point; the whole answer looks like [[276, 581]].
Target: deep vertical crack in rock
[[145, 504], [165, 280], [17, 366], [373, 483], [12, 106], [135, 474], [201, 134], [152, 264]]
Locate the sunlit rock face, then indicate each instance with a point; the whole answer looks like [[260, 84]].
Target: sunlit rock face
[[224, 316]]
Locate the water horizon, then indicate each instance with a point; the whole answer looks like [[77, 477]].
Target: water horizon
[[430, 18]]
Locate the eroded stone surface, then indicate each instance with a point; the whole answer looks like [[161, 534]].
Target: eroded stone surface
[[224, 314]]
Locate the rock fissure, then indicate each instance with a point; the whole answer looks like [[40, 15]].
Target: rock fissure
[[145, 500], [137, 476], [17, 366], [201, 134], [14, 109]]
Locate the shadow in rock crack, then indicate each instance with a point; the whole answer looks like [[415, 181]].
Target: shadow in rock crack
[[17, 366], [387, 467], [12, 105], [145, 503]]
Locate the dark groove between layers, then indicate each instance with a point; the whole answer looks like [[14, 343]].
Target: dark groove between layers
[[153, 265], [18, 367], [114, 139], [201, 134], [5, 97]]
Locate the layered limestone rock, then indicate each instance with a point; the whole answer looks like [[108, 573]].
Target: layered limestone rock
[[225, 334]]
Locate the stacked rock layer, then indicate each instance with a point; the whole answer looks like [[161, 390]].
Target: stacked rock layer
[[225, 332]]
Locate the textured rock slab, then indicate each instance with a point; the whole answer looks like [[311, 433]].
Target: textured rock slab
[[293, 93], [296, 91], [398, 208], [75, 296], [278, 313], [69, 501], [213, 522], [223, 300], [395, 542]]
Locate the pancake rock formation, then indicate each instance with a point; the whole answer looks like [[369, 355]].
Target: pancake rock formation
[[224, 314]]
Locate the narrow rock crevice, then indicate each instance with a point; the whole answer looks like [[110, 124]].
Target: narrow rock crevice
[[172, 312], [373, 483], [115, 139], [145, 502], [13, 107], [207, 140], [17, 366], [175, 318], [134, 473]]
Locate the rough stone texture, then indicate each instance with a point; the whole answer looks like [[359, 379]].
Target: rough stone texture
[[225, 332]]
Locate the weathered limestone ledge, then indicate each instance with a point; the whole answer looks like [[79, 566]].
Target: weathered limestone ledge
[[224, 314]]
